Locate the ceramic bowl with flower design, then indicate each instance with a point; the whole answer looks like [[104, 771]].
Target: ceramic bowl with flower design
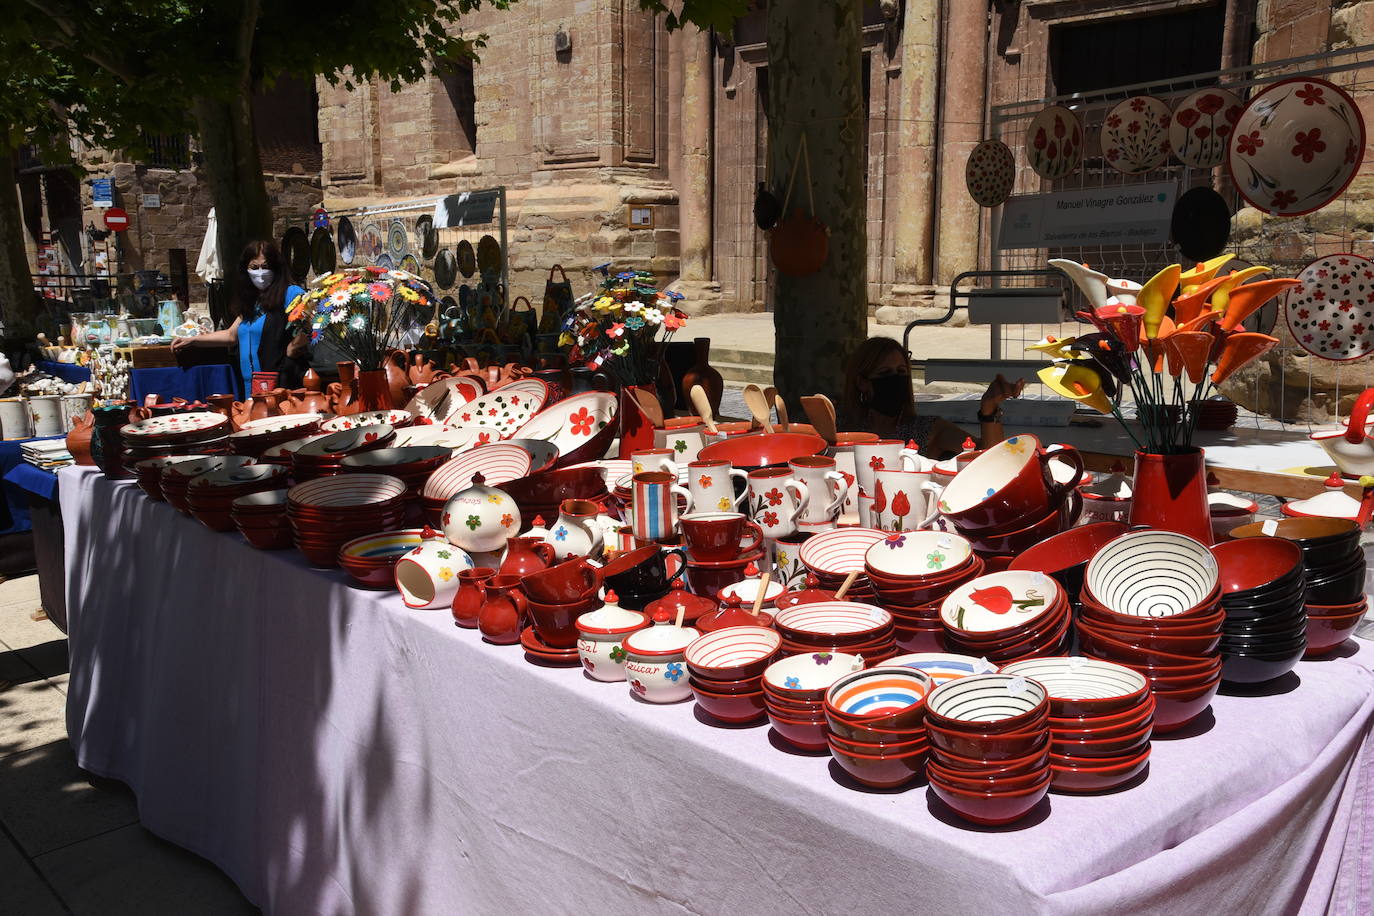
[[581, 426], [504, 410], [917, 555], [804, 678], [393, 418]]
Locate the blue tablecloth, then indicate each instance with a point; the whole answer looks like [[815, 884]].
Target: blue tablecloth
[[14, 511], [194, 384], [33, 480], [67, 372]]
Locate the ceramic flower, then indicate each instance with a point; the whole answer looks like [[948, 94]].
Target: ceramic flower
[[1203, 272], [1054, 347], [1077, 383], [1155, 295], [1124, 321], [1093, 283]]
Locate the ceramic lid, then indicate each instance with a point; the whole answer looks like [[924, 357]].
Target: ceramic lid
[[692, 605], [1230, 504], [1334, 503], [1114, 486], [609, 620], [660, 640]]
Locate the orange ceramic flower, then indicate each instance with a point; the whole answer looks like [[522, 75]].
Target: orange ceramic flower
[[1188, 350], [1155, 295], [1246, 300], [1241, 348]]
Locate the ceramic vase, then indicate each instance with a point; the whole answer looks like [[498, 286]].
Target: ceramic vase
[[704, 375], [471, 595], [576, 533], [374, 392], [79, 439], [1170, 493], [346, 402], [525, 555], [107, 446], [636, 429]]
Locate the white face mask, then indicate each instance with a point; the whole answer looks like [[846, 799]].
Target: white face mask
[[261, 276]]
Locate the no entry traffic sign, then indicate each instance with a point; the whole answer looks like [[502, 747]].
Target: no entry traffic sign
[[116, 219]]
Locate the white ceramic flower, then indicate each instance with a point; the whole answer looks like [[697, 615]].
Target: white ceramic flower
[[339, 298], [653, 316]]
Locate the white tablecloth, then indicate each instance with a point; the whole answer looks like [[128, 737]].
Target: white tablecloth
[[336, 753]]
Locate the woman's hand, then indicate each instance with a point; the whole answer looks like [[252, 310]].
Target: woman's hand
[[180, 342], [999, 391]]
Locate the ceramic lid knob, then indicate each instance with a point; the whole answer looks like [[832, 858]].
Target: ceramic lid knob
[[751, 569], [812, 581], [539, 521], [427, 532], [969, 444], [661, 617], [732, 600], [611, 597], [478, 479], [911, 444]]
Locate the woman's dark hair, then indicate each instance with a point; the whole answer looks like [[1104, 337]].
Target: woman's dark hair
[[871, 354], [246, 294]]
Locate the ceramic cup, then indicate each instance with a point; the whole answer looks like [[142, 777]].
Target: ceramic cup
[[642, 571], [1011, 480], [567, 583], [556, 624], [654, 496], [14, 419], [776, 499], [903, 500], [827, 489], [600, 634], [712, 485], [719, 535], [654, 459], [683, 436], [883, 455], [427, 577]]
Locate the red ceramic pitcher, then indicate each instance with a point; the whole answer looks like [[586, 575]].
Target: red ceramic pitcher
[[502, 614], [525, 556], [471, 595]]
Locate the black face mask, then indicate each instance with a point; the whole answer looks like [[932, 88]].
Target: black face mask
[[891, 395]]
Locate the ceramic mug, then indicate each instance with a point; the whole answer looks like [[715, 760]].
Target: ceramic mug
[[565, 583], [683, 436], [427, 577], [14, 419], [818, 473], [719, 535], [845, 464], [1011, 480], [46, 412], [654, 496], [640, 572], [712, 485], [883, 455], [904, 500], [784, 558], [556, 624], [776, 500], [654, 459]]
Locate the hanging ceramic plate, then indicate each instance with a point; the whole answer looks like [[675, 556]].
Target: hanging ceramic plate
[[1201, 126], [990, 173], [1135, 135], [498, 463], [410, 265], [370, 243], [384, 262], [296, 248], [467, 259], [1054, 142], [488, 256], [347, 241], [322, 251], [1296, 146], [1331, 314], [571, 422], [397, 240], [426, 237], [445, 269], [504, 410], [1201, 224]]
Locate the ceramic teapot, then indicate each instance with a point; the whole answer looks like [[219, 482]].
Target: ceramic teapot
[[481, 519], [1351, 446]]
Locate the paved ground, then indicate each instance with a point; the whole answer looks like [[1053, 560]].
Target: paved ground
[[71, 843]]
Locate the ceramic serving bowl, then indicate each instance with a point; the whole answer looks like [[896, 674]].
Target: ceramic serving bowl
[[1189, 644], [990, 808], [1152, 574], [987, 703], [1253, 563], [1102, 747], [393, 418], [882, 771], [885, 696], [371, 559], [977, 782], [734, 708], [837, 623], [1326, 634], [600, 635], [1086, 774], [733, 653], [581, 427], [839, 551], [756, 451], [805, 678], [999, 606], [1065, 555]]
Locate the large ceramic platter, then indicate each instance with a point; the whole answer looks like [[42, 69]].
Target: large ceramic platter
[[441, 399], [990, 173], [271, 425], [1054, 142], [1331, 314], [914, 554], [397, 240], [347, 440], [498, 463], [176, 424], [838, 552], [467, 258], [457, 438], [1201, 126], [489, 256], [506, 409], [571, 422], [1135, 135], [1296, 146]]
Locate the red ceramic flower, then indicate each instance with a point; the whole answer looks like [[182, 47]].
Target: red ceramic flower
[[876, 462], [901, 505], [1308, 144], [1249, 144], [770, 519], [704, 481], [581, 422], [1210, 104], [1311, 95], [996, 598], [483, 438], [1040, 138], [879, 497]]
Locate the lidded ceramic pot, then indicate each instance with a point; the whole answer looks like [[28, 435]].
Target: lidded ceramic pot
[[480, 519], [655, 661], [600, 637]]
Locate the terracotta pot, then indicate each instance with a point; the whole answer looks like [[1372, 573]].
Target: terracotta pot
[[312, 400], [374, 390], [702, 374], [312, 381], [526, 555], [396, 378], [346, 402], [471, 595], [1171, 494], [502, 614], [222, 404], [79, 439]]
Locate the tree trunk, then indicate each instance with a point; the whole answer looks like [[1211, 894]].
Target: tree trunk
[[18, 304], [234, 170], [815, 89]]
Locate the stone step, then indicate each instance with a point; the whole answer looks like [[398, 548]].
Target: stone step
[[743, 373], [740, 357]]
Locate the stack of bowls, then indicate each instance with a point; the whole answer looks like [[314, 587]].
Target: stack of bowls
[[840, 626], [262, 520], [989, 746], [794, 695], [541, 494], [1151, 601], [726, 668], [876, 722], [1215, 413], [148, 473], [499, 463], [193, 433], [911, 574], [1329, 626], [412, 464], [1331, 554], [281, 454], [256, 436], [1065, 556], [211, 495], [1007, 616], [328, 513], [1262, 585], [832, 555], [176, 477], [1101, 719], [371, 559], [323, 457]]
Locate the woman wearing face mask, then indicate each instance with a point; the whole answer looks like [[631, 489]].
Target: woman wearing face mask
[[259, 331], [878, 398]]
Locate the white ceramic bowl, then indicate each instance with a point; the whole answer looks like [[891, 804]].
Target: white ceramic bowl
[[731, 647], [838, 552], [600, 637], [811, 671], [916, 554], [832, 618], [1001, 601], [986, 698], [1079, 678], [1152, 574], [392, 418], [346, 490], [943, 666], [880, 691]]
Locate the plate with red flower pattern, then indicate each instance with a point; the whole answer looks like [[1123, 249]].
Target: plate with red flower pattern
[[1296, 146], [1331, 314], [990, 173], [1201, 126], [1054, 142], [507, 408], [498, 463], [572, 421], [1135, 135]]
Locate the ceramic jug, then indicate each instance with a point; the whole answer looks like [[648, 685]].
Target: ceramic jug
[[525, 555], [471, 595], [503, 613], [827, 488]]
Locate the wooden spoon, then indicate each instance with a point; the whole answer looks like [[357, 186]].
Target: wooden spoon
[[821, 417], [648, 402], [781, 407], [763, 593], [758, 406], [702, 405], [848, 581]]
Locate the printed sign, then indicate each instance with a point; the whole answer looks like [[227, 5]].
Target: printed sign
[[102, 192], [1130, 215]]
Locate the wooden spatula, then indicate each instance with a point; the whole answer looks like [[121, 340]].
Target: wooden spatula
[[648, 402], [758, 406], [702, 405], [781, 406], [819, 412]]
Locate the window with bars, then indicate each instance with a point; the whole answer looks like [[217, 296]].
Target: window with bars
[[167, 151]]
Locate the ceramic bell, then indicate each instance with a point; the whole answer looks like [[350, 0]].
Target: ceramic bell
[[480, 519]]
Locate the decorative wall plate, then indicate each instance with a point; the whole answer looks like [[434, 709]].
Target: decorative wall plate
[[1296, 147], [445, 269], [1331, 314], [467, 259], [371, 245], [397, 240], [990, 173], [1135, 135], [489, 255], [1054, 142], [410, 264], [347, 241], [1201, 126], [322, 255]]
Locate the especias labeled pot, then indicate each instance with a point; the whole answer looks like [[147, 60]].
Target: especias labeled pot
[[480, 519]]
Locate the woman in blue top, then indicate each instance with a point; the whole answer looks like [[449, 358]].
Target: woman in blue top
[[259, 331]]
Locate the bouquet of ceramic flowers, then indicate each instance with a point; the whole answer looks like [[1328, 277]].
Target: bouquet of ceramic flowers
[[1150, 338], [366, 311], [616, 329]]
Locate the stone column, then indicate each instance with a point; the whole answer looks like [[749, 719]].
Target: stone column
[[694, 197], [961, 127]]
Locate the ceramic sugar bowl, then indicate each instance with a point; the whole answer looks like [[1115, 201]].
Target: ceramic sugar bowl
[[427, 577], [480, 519], [600, 635], [655, 661]]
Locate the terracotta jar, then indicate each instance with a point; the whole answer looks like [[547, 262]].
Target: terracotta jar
[[312, 381], [471, 595], [346, 403], [222, 404], [374, 390], [503, 613], [526, 555], [702, 374], [396, 378], [79, 439], [312, 400]]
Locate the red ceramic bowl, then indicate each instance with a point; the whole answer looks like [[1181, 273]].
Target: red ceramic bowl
[[1011, 480], [1030, 531], [805, 712], [1337, 610], [1188, 644], [1161, 679], [921, 640], [1326, 634], [1164, 626], [990, 809], [1069, 548], [800, 733], [909, 742], [988, 746], [750, 452], [267, 539], [550, 488], [733, 653], [821, 644], [745, 685], [1254, 562], [734, 708], [1055, 619], [1113, 746], [1206, 607], [1097, 645], [1110, 725], [976, 783], [1075, 775], [963, 689], [977, 766], [881, 772], [1174, 709], [875, 734]]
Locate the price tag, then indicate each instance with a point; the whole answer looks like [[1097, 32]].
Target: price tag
[[1076, 662], [983, 666], [1270, 527], [945, 541], [1016, 686]]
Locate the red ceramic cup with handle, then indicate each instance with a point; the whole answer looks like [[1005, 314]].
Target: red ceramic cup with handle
[[1011, 480], [712, 536], [556, 624], [565, 583]]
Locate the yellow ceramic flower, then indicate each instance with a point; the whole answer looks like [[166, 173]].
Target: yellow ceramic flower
[[1077, 383], [1221, 296], [1201, 273], [1057, 347], [494, 499], [1155, 295], [445, 573], [565, 339], [724, 504], [604, 304]]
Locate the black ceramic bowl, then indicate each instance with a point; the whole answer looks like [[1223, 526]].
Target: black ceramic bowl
[[1269, 629], [1324, 563], [1257, 669], [1307, 533], [1282, 585], [1275, 644], [1273, 606], [1344, 588]]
